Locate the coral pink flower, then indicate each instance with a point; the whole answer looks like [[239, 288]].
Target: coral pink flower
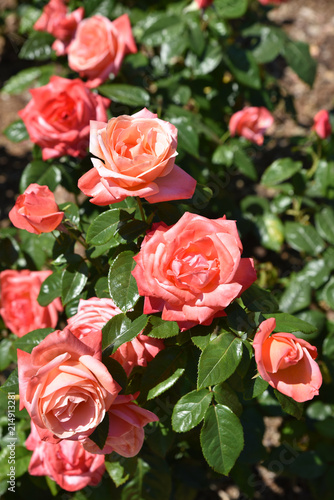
[[193, 270], [18, 302], [273, 2], [65, 387], [67, 462], [287, 362], [322, 125], [36, 210], [126, 433], [251, 123], [99, 47], [58, 115], [91, 317], [135, 157], [56, 20]]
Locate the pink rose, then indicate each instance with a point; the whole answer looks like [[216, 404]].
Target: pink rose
[[138, 352], [18, 302], [287, 362], [193, 270], [203, 4], [56, 20], [322, 125], [126, 433], [67, 462], [135, 157], [99, 47], [251, 123], [65, 387], [57, 118], [91, 317], [36, 210]]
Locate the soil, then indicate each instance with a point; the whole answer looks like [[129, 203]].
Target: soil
[[311, 21]]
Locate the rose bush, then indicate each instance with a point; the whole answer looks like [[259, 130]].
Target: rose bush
[[67, 462], [56, 20], [36, 210], [99, 47], [203, 4], [193, 270], [287, 362], [251, 123], [58, 115], [65, 387], [135, 157], [126, 428], [19, 308]]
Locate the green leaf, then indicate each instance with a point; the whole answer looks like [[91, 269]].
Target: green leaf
[[12, 383], [190, 410], [130, 230], [243, 66], [116, 370], [25, 78], [187, 134], [121, 329], [257, 299], [125, 94], [272, 40], [7, 353], [41, 173], [103, 7], [221, 438], [245, 164], [290, 324], [254, 386], [104, 227], [162, 30], [74, 279], [315, 273], [280, 170], [289, 405], [100, 433], [295, 297], [32, 339], [101, 288], [219, 360], [226, 396], [28, 15], [298, 57], [162, 329], [163, 371], [37, 47], [304, 238], [122, 285], [231, 9], [328, 293], [50, 289], [223, 155], [117, 472], [324, 223], [16, 131]]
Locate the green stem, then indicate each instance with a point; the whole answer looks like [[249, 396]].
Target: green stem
[[224, 137]]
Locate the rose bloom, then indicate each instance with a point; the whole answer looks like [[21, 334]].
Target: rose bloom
[[19, 308], [56, 20], [135, 157], [251, 123], [58, 115], [126, 433], [67, 462], [99, 47], [91, 317], [322, 125], [65, 387], [287, 362], [193, 270], [36, 210], [203, 4]]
